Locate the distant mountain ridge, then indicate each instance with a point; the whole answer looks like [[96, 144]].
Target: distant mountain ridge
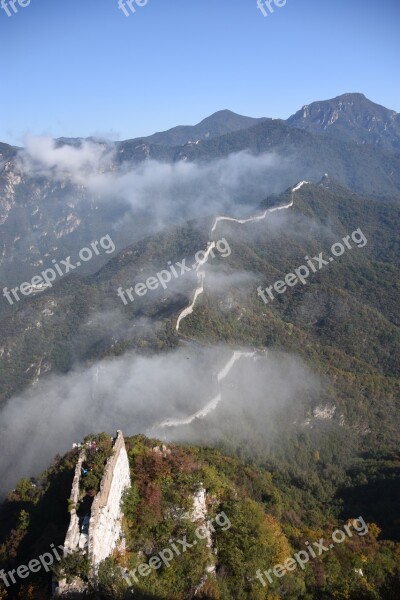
[[7, 152], [39, 217], [219, 123], [351, 117]]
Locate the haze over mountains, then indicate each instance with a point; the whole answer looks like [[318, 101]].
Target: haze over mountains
[[88, 186], [305, 386], [349, 117], [70, 331]]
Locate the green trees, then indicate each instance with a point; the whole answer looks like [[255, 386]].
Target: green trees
[[272, 515], [73, 565], [99, 450]]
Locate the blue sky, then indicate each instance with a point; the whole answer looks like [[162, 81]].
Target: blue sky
[[81, 67]]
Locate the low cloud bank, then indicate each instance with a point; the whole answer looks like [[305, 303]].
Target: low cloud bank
[[164, 192], [135, 394]]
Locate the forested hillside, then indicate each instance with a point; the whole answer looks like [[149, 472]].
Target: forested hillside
[[263, 521]]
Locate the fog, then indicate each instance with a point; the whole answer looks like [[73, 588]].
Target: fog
[[136, 393], [164, 192]]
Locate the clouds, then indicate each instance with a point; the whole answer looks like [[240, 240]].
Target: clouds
[[165, 192], [83, 182], [43, 156], [182, 190], [135, 393]]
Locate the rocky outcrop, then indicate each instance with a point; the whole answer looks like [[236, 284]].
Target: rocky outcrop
[[100, 534], [105, 530], [71, 543]]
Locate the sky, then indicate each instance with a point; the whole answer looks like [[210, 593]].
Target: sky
[[81, 67]]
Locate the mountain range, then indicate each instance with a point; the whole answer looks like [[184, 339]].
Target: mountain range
[[348, 117], [302, 431], [69, 213]]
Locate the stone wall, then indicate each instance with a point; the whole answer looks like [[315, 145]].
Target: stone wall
[[71, 543], [105, 527]]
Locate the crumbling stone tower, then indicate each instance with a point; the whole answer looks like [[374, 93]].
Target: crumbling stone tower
[[101, 532]]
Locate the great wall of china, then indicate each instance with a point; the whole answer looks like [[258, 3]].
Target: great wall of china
[[102, 532]]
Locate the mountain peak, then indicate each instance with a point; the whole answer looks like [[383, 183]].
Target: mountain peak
[[353, 95], [219, 123], [229, 117], [351, 117], [225, 112]]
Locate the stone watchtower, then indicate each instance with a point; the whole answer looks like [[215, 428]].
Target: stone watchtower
[[98, 533]]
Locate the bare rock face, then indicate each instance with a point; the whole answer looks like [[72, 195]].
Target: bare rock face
[[105, 530], [98, 536], [72, 539]]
